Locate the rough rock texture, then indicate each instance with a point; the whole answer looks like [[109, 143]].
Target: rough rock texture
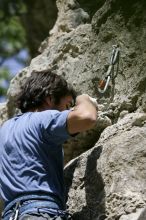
[[3, 112], [109, 180]]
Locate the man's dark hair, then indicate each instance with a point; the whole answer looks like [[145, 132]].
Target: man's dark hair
[[41, 85]]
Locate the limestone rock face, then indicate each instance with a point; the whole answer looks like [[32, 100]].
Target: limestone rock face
[[109, 180], [3, 112]]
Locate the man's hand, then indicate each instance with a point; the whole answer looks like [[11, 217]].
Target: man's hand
[[94, 101], [86, 96]]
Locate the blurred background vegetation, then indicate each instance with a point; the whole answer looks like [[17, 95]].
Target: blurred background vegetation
[[23, 26]]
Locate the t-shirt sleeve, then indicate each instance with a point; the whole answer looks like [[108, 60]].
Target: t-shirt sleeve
[[54, 125]]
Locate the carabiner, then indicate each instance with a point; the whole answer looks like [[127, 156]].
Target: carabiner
[[103, 84], [115, 54]]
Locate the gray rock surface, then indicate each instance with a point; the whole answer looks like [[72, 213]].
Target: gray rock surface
[[109, 180], [3, 112]]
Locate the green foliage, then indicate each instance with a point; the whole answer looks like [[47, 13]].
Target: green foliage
[[12, 37], [4, 81], [10, 8]]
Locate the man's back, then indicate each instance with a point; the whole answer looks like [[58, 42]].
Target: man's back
[[31, 154]]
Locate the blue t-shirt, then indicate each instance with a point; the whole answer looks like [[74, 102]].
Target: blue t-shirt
[[31, 154]]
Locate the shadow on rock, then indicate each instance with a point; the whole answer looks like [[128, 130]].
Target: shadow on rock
[[69, 173], [94, 189], [143, 215]]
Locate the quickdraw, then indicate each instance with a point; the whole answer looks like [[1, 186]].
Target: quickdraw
[[110, 74]]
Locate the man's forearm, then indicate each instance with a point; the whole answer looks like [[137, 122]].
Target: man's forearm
[[83, 117]]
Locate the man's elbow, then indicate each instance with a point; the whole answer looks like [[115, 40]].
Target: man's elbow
[[81, 121]]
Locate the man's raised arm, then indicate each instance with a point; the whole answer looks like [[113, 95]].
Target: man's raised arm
[[83, 117]]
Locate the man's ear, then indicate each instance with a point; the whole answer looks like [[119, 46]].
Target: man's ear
[[49, 101]]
